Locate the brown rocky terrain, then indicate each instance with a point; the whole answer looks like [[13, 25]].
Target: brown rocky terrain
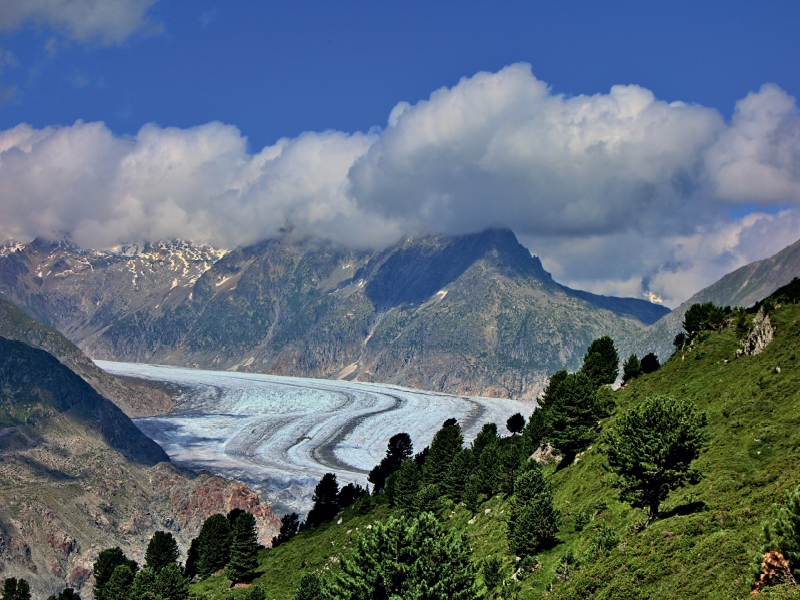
[[76, 476]]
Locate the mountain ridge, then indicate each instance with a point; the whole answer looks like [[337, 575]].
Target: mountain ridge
[[474, 314]]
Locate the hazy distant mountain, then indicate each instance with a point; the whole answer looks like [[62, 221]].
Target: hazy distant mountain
[[742, 287], [470, 314]]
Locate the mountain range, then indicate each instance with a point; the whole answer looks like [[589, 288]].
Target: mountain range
[[474, 314]]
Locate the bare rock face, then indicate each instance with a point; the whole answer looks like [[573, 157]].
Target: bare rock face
[[760, 337], [467, 314]]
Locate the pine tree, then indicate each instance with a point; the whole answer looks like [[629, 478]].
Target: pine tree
[[533, 520], [456, 477], [572, 420], [311, 587], [349, 495], [515, 423], [244, 549], [445, 445], [550, 393], [170, 583], [651, 448], [407, 558], [406, 485], [213, 545], [119, 586], [534, 433], [601, 363], [65, 594], [326, 501], [162, 550], [144, 585], [192, 556], [650, 363], [631, 368], [488, 471], [427, 499], [104, 566], [487, 435], [16, 589], [289, 525]]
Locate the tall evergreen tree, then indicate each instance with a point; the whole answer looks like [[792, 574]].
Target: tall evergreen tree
[[398, 449], [170, 583], [551, 391], [601, 363], [447, 442], [650, 363], [651, 448], [406, 485], [573, 417], [326, 501], [213, 545], [66, 594], [350, 494], [488, 471], [533, 520], [192, 556], [162, 550], [631, 368], [487, 435], [16, 589], [455, 478], [783, 534], [119, 585], [144, 585], [244, 549], [534, 433], [289, 525], [232, 515], [104, 566]]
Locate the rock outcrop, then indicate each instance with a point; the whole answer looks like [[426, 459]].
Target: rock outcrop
[[759, 337]]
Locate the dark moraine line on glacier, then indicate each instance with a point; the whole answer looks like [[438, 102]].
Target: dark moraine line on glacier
[[325, 453]]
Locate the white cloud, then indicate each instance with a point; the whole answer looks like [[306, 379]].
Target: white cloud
[[619, 193], [110, 21]]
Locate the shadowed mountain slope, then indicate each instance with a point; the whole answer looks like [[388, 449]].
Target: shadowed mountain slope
[[473, 314]]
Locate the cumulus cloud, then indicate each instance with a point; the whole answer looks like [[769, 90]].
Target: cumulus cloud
[[619, 193], [110, 21]]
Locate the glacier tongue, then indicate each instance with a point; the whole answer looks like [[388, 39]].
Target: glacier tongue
[[281, 434]]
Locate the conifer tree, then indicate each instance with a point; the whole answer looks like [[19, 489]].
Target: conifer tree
[[515, 423], [784, 534], [170, 583], [489, 474], [244, 549], [16, 589], [550, 393], [66, 594], [326, 501], [445, 445], [534, 433], [456, 476], [651, 448], [213, 545], [256, 592], [572, 419], [487, 435], [631, 368], [144, 585], [601, 363], [407, 558], [120, 584], [406, 485], [192, 556], [311, 587], [533, 520], [162, 550], [650, 363], [289, 525], [104, 566]]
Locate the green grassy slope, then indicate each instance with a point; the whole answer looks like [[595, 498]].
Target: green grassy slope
[[703, 544]]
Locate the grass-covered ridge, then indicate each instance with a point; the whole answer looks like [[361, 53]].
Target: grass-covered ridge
[[708, 533]]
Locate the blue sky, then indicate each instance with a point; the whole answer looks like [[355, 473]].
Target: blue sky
[[277, 69], [700, 194]]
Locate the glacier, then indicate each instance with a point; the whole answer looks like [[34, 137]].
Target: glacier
[[280, 435]]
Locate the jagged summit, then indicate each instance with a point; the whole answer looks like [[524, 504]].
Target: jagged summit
[[474, 313]]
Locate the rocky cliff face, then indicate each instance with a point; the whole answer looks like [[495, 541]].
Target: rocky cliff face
[[473, 314], [743, 287], [76, 476]]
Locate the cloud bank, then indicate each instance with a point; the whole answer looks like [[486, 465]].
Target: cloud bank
[[618, 193], [110, 21]]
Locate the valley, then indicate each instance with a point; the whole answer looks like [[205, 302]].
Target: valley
[[280, 435]]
